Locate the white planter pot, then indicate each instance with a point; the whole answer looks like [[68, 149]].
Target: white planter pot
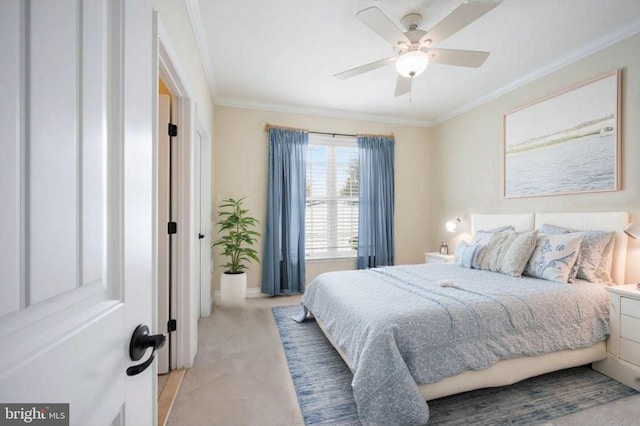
[[233, 289]]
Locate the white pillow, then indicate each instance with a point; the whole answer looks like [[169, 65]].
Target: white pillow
[[554, 256]]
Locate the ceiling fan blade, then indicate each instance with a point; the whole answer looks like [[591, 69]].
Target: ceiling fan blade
[[465, 14], [460, 58], [379, 23], [403, 86], [365, 68]]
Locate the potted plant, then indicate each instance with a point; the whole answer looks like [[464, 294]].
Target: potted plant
[[236, 242]]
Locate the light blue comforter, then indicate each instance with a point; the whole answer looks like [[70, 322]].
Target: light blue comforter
[[404, 325]]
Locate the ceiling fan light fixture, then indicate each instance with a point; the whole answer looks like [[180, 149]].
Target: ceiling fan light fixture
[[412, 64]]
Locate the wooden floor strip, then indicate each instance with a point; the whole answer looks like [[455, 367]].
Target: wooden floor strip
[[167, 396]]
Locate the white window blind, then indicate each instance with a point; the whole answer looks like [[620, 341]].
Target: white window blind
[[331, 216]]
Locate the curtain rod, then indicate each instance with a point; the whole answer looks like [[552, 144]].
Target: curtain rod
[[268, 126]]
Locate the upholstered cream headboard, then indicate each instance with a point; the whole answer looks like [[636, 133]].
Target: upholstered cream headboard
[[583, 221]]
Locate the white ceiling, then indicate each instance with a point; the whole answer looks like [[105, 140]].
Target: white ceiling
[[281, 54]]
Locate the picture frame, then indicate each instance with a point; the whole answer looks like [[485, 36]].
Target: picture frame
[[565, 143]]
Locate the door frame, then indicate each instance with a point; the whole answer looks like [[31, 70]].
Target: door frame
[[205, 268], [162, 191], [187, 237]]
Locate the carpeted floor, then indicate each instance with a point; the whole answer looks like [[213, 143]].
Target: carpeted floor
[[240, 376], [323, 387]]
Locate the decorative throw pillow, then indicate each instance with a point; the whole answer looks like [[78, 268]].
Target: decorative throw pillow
[[488, 257], [553, 229], [591, 251], [603, 273], [547, 228], [515, 253], [464, 254], [553, 256], [482, 238]]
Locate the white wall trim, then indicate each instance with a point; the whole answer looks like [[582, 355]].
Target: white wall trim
[[170, 72], [202, 137], [168, 59], [193, 8], [187, 327], [626, 31], [264, 106], [252, 292]]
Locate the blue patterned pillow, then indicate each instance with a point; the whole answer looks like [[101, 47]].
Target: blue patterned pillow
[[554, 256], [603, 274], [465, 253]]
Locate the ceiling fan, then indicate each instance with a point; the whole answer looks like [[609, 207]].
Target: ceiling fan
[[414, 46]]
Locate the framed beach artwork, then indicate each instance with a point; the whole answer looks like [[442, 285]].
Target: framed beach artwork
[[565, 143]]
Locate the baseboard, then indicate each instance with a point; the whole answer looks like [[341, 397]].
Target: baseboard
[[619, 370], [252, 292]]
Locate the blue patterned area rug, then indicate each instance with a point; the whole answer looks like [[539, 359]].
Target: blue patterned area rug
[[323, 385]]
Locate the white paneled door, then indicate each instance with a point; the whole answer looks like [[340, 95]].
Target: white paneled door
[[77, 208]]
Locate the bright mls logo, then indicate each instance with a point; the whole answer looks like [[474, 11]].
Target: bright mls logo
[[34, 414]]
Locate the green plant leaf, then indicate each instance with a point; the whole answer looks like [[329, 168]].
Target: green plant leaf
[[237, 234]]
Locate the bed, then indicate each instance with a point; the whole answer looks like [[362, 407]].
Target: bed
[[419, 332]]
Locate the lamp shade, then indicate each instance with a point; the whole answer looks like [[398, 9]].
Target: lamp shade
[[633, 230], [412, 63], [452, 225]]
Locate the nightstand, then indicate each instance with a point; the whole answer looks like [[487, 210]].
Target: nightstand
[[438, 258], [623, 346]]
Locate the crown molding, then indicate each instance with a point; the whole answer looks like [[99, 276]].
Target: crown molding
[[322, 112], [629, 29], [193, 9], [622, 33]]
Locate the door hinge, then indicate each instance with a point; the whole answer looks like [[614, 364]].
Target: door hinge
[[173, 130], [172, 325], [172, 228]]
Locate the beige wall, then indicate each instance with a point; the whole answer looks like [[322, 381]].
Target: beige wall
[[240, 170], [469, 151]]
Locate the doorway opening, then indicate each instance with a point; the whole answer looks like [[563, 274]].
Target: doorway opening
[[191, 208]]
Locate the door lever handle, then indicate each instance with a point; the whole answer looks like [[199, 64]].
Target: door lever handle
[[140, 341], [200, 236]]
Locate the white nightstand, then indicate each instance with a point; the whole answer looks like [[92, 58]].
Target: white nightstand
[[438, 258], [623, 346]]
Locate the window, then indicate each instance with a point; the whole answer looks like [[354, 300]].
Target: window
[[331, 217]]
